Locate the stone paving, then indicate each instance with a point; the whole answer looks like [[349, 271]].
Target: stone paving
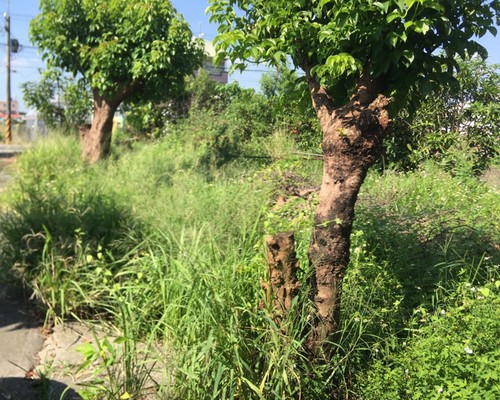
[[23, 342]]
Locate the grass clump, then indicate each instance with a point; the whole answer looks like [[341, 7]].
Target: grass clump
[[57, 216]]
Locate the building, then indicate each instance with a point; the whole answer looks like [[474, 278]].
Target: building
[[218, 73], [14, 109]]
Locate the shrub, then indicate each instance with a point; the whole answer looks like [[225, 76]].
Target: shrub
[[457, 128], [290, 102]]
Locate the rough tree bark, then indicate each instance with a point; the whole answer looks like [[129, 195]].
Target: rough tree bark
[[352, 139], [282, 263], [96, 140]]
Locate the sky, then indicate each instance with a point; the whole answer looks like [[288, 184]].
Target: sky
[[27, 62]]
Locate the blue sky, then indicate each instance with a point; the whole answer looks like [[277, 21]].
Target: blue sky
[[27, 62]]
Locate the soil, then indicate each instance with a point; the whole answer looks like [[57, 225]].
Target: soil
[[492, 176]]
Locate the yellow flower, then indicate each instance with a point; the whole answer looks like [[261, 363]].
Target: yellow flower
[[125, 396]]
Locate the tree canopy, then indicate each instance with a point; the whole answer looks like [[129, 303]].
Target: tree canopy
[[118, 46], [412, 44]]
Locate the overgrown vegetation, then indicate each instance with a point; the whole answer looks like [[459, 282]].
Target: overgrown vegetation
[[457, 127], [167, 245], [164, 243], [362, 62]]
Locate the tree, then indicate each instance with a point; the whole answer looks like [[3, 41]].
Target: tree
[[124, 50], [362, 59], [61, 100]]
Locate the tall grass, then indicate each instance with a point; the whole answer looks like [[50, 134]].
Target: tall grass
[[170, 251]]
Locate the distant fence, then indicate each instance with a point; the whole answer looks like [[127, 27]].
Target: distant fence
[[26, 131]]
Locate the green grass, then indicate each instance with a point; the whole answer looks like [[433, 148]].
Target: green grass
[[170, 251], [426, 239]]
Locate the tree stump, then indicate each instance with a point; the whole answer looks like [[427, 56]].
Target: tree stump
[[282, 266]]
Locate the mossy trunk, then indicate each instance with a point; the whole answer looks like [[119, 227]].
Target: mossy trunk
[[352, 140]]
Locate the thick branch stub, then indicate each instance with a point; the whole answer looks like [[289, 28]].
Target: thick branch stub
[[282, 263]]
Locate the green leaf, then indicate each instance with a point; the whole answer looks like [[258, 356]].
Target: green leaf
[[409, 3], [324, 34], [485, 291], [409, 56], [392, 39], [382, 6], [393, 16], [421, 26], [401, 5], [279, 57], [252, 386], [86, 350]]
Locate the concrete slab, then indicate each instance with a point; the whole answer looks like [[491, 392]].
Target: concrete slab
[[21, 340], [59, 357], [60, 360], [9, 150], [20, 337], [39, 366]]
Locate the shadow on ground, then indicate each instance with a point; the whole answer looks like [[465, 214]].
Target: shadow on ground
[[35, 389]]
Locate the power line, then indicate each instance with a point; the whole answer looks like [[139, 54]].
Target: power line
[[23, 16]]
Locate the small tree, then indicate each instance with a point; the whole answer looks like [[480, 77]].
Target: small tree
[[124, 50], [361, 59], [61, 100]]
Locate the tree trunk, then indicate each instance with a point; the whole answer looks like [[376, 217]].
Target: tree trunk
[[352, 139], [96, 140]]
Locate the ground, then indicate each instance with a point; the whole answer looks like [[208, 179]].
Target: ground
[[492, 176]]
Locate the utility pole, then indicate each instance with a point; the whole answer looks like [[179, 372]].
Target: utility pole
[[8, 122]]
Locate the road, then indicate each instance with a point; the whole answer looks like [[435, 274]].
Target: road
[[10, 150]]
